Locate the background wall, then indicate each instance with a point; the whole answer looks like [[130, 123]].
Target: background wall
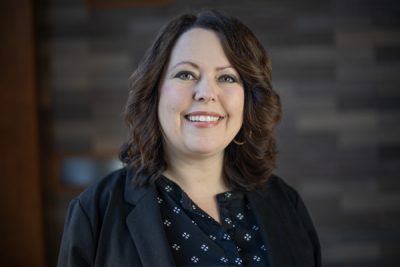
[[336, 65], [21, 220]]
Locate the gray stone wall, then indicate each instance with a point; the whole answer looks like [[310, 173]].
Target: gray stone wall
[[336, 65]]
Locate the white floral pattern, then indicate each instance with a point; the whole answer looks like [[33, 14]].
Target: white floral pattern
[[176, 247], [236, 241], [185, 235], [247, 237], [194, 259], [177, 210], [204, 247]]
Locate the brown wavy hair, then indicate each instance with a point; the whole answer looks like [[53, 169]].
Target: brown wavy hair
[[246, 166]]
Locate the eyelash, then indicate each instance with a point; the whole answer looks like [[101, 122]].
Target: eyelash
[[185, 73], [232, 78], [223, 78]]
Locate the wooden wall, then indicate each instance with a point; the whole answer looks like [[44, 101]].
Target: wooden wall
[[21, 233]]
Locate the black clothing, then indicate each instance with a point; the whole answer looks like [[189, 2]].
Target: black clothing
[[197, 239], [114, 223]]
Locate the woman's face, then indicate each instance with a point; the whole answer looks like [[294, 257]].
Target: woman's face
[[201, 97]]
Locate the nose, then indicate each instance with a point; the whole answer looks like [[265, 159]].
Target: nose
[[205, 91]]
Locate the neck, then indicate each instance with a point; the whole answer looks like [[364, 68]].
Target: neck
[[198, 176]]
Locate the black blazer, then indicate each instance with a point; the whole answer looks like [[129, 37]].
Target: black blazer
[[114, 224]]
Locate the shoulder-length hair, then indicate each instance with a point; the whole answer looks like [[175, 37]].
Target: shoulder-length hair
[[249, 161]]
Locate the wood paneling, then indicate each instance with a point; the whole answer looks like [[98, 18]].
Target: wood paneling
[[21, 242]]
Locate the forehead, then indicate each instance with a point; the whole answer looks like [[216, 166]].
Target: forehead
[[198, 45]]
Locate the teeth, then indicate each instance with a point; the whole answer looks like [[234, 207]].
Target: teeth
[[202, 118]]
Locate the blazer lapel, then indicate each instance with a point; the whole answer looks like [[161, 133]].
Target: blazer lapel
[[273, 228], [145, 227]]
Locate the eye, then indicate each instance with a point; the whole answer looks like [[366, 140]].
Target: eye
[[227, 79], [185, 75]]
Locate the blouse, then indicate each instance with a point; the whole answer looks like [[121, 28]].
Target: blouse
[[195, 238]]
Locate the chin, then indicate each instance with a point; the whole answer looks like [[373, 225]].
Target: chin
[[205, 149], [202, 150]]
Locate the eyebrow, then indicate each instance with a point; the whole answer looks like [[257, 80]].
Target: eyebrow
[[194, 65]]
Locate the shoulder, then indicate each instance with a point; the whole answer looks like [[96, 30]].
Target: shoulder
[[105, 186], [290, 205], [91, 216], [279, 188], [106, 194]]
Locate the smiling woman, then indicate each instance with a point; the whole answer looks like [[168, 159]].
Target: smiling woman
[[197, 187], [201, 99]]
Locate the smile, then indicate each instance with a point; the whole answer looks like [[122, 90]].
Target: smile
[[203, 118]]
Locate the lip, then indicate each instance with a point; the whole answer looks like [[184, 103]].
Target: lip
[[203, 124], [204, 113]]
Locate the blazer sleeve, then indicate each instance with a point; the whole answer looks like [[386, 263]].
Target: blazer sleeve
[[309, 226], [77, 244]]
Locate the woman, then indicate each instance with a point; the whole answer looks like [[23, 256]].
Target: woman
[[197, 189]]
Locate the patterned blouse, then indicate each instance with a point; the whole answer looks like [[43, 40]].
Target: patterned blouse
[[196, 239]]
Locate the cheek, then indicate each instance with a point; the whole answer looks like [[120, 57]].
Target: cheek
[[235, 103], [173, 102], [166, 99], [173, 98]]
